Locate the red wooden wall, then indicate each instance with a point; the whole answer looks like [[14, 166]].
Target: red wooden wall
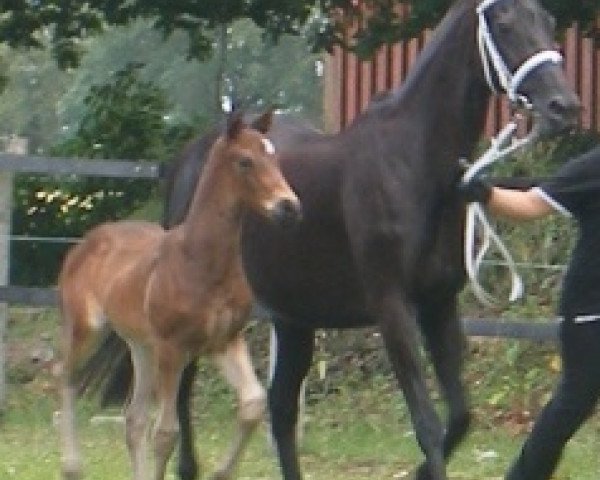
[[351, 83]]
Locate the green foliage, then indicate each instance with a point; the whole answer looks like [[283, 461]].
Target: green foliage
[[124, 119], [567, 12], [25, 22], [47, 105]]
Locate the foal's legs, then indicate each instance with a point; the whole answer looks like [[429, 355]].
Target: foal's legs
[[446, 342], [137, 416], [79, 336], [294, 356], [236, 366], [170, 363], [71, 464]]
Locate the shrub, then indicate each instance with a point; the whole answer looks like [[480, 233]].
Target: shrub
[[126, 119]]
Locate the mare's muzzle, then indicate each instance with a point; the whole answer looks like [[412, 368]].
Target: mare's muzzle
[[557, 113], [530, 84]]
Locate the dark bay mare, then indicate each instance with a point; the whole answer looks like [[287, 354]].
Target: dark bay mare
[[381, 238]]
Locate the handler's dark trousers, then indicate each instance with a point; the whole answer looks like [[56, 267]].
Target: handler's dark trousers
[[572, 403]]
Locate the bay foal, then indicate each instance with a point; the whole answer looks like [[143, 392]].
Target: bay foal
[[173, 295]]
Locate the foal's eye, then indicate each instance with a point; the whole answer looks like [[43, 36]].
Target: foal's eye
[[245, 164]]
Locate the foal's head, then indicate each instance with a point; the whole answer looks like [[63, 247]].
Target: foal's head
[[253, 167], [520, 34]]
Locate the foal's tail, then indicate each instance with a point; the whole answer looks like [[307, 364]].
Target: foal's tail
[[108, 372]]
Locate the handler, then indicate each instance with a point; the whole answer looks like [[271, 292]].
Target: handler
[[574, 191]]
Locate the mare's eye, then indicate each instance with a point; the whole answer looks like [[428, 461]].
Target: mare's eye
[[550, 20], [245, 164]]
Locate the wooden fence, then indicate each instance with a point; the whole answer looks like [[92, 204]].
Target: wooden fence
[[351, 83]]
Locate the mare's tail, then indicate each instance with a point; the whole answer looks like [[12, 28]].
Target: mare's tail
[[108, 372]]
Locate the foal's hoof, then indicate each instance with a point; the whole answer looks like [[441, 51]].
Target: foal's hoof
[[71, 473], [220, 475]]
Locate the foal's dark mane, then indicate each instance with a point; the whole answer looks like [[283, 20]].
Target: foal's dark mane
[[179, 170]]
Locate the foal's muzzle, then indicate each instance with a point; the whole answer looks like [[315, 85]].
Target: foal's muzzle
[[287, 212]]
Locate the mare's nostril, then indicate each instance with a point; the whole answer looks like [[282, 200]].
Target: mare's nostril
[[564, 109]]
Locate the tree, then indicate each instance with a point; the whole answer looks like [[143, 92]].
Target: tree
[[46, 104], [24, 22], [124, 119]]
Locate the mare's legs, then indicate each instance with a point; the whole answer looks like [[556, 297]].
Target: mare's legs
[[301, 394], [137, 415], [170, 363], [294, 356], [445, 340], [188, 464], [236, 365], [400, 335]]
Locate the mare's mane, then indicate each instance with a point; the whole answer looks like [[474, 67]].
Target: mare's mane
[[461, 16]]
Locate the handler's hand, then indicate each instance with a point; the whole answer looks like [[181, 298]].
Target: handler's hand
[[475, 190]]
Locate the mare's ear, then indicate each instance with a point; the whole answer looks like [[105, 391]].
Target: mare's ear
[[263, 123], [235, 123]]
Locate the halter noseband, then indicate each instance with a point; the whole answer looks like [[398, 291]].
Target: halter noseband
[[493, 62]]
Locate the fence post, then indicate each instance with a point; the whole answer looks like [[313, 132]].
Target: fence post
[[15, 145]]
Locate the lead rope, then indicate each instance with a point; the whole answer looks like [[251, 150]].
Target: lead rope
[[476, 220]]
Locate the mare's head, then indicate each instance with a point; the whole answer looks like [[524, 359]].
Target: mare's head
[[254, 170], [519, 56]]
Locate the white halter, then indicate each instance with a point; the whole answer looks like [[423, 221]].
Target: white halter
[[493, 61], [502, 145]]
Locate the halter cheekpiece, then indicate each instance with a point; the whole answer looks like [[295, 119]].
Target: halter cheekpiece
[[494, 63], [501, 146]]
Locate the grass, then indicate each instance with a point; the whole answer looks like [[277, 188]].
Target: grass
[[357, 426]]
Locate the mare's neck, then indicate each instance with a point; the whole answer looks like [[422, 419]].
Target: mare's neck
[[445, 89]]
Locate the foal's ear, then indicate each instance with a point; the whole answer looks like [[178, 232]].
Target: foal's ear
[[235, 123], [263, 123]]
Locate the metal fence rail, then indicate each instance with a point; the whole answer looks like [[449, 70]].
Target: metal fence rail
[[15, 160], [47, 297], [536, 330], [76, 166]]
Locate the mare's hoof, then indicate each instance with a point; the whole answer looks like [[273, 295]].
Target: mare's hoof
[[422, 472], [188, 472]]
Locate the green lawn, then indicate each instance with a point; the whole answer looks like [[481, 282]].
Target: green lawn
[[357, 426], [354, 435]]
